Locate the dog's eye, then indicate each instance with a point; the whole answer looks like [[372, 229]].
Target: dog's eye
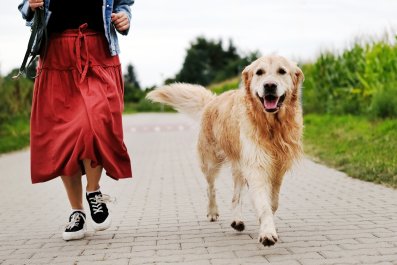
[[281, 71], [260, 72]]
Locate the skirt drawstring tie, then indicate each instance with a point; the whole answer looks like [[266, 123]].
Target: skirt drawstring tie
[[82, 38]]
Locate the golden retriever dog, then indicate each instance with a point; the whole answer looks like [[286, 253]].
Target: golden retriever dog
[[257, 128]]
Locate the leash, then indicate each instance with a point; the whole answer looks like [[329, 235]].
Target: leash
[[35, 42]]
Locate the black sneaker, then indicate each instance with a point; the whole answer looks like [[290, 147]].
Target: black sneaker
[[99, 212], [76, 227]]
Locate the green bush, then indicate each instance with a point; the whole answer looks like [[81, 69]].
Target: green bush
[[132, 94], [14, 134], [15, 97], [384, 104], [15, 105], [360, 81]]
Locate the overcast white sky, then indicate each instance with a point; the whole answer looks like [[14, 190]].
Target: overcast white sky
[[162, 30]]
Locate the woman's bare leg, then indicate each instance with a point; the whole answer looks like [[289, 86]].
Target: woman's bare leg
[[74, 190], [93, 175]]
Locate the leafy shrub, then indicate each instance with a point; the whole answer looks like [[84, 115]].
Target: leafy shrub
[[360, 81], [384, 104], [15, 104], [15, 97]]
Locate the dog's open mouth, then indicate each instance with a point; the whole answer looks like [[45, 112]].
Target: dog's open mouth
[[271, 103]]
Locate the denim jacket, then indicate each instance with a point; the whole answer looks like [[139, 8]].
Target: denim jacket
[[109, 7]]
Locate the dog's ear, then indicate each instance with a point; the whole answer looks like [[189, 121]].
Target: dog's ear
[[247, 77], [298, 77], [297, 80]]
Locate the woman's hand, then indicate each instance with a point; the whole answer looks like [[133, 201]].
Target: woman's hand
[[120, 21], [33, 4]]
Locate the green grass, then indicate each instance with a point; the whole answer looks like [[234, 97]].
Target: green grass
[[361, 148], [130, 107], [226, 85], [145, 105], [14, 134]]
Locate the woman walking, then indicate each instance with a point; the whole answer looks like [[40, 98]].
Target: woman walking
[[76, 125]]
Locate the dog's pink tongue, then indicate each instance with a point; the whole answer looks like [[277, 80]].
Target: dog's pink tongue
[[271, 104]]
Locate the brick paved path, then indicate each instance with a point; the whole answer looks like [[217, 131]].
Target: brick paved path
[[160, 217]]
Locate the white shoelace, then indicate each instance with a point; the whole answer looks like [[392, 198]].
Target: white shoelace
[[74, 221], [98, 200]]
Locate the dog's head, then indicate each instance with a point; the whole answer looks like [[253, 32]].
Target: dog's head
[[273, 81]]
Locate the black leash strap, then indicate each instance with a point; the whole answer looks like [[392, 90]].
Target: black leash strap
[[38, 35]]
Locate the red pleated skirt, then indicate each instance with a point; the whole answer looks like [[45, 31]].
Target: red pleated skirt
[[77, 107]]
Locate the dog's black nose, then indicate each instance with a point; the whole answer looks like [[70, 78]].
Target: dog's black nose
[[270, 88]]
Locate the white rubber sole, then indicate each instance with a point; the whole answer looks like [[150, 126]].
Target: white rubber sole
[[74, 235], [102, 226]]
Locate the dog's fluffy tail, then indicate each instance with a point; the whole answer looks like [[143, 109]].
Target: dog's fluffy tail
[[185, 98]]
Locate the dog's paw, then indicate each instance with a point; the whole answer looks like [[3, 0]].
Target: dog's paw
[[238, 225], [212, 217], [268, 239]]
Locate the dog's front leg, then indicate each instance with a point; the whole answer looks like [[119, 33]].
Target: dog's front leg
[[259, 189]]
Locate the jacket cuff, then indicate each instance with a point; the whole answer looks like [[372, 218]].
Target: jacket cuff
[[26, 12], [125, 9]]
